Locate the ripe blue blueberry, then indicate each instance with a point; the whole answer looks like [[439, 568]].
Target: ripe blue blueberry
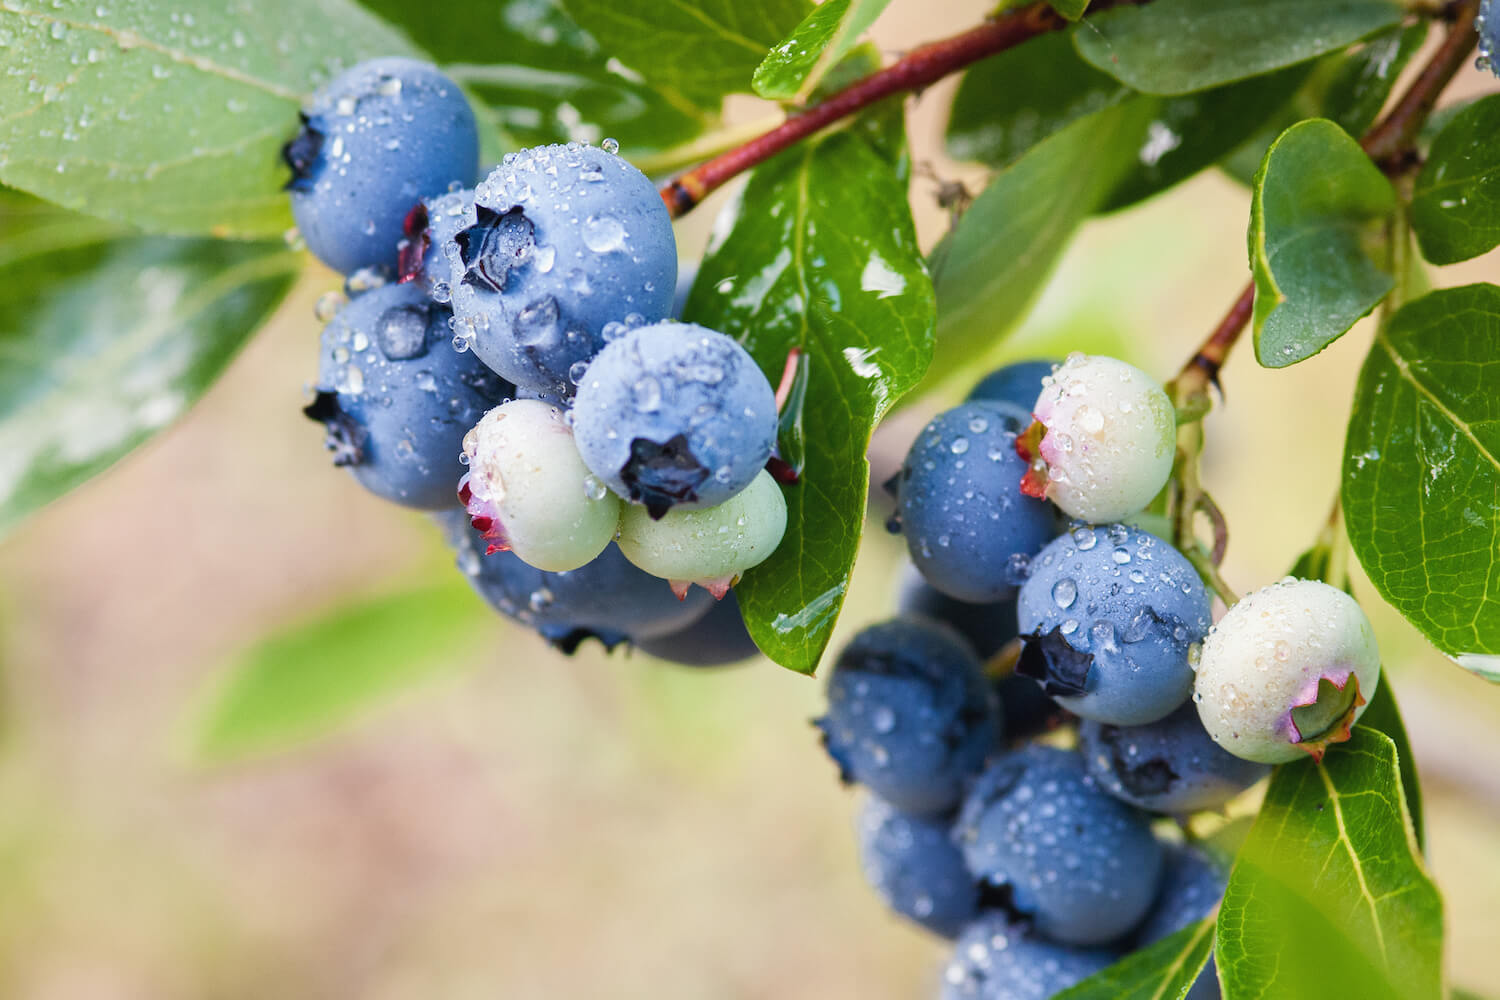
[[912, 862], [376, 140], [910, 715], [562, 241], [395, 397], [995, 959], [1489, 36], [1108, 614], [1024, 707], [968, 527], [1169, 766], [1191, 887], [717, 639], [1019, 384], [675, 413], [429, 230], [1084, 866], [607, 599]]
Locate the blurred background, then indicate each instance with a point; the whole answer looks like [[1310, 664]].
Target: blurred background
[[515, 823]]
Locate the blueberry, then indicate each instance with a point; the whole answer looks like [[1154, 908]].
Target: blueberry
[[561, 242], [1024, 706], [608, 599], [529, 490], [1286, 672], [709, 547], [912, 862], [1170, 765], [1108, 614], [1489, 36], [1019, 384], [909, 715], [375, 140], [429, 232], [968, 527], [1191, 888], [998, 960], [395, 397], [1084, 866], [717, 639], [675, 414]]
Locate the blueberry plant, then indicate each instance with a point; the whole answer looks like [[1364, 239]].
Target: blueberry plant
[[669, 454]]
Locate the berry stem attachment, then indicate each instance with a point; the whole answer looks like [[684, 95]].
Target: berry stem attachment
[[913, 72]]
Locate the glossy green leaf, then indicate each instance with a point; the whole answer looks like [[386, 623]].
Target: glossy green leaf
[[169, 116], [1318, 200], [1382, 714], [1421, 487], [793, 68], [105, 338], [305, 682], [995, 262], [542, 77], [1329, 896], [820, 254], [1164, 971], [700, 50], [1455, 210], [1070, 9], [1179, 46], [1010, 102]]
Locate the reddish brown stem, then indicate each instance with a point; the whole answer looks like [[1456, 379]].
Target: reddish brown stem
[[1391, 142], [1203, 367], [919, 68]]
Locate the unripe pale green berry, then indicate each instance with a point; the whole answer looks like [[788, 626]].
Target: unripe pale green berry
[[1107, 439], [529, 491], [1286, 672], [709, 547]]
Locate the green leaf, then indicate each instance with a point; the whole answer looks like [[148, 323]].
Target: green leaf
[[699, 49], [1010, 102], [1421, 484], [542, 77], [1455, 210], [792, 69], [105, 338], [1179, 46], [1165, 970], [1329, 896], [305, 682], [996, 260], [1070, 9], [1317, 201], [169, 116], [1382, 714], [820, 254]]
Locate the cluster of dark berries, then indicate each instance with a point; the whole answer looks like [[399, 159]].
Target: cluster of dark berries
[[1039, 604], [506, 358]]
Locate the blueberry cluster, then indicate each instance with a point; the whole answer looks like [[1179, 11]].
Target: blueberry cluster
[[507, 359]]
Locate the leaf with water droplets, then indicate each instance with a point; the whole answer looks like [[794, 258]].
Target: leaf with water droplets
[[105, 338], [310, 679], [1455, 209], [169, 116], [701, 50], [1318, 202], [1329, 896], [793, 68], [1165, 970], [1421, 488], [819, 253]]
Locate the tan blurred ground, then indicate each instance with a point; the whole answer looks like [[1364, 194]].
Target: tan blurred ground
[[535, 826]]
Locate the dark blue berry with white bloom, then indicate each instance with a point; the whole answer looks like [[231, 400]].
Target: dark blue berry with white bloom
[[607, 599], [1489, 36], [562, 242], [1019, 384], [912, 862], [910, 715], [1108, 614], [675, 414], [1169, 766], [968, 527], [1192, 886], [1081, 864], [374, 142], [396, 399], [717, 639], [997, 959]]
